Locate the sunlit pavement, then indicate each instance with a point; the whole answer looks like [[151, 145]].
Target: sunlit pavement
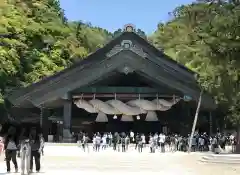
[[72, 160]]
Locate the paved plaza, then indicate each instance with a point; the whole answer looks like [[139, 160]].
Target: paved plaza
[[72, 160]]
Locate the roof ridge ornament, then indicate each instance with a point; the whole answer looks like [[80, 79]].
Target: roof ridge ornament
[[129, 28], [126, 45]]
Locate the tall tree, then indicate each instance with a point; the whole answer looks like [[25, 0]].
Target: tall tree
[[205, 36], [37, 41]]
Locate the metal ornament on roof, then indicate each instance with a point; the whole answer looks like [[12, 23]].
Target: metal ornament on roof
[[115, 50], [132, 28], [126, 69], [129, 28], [127, 45]]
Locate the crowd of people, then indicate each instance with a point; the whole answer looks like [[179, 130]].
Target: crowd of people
[[162, 142], [28, 146]]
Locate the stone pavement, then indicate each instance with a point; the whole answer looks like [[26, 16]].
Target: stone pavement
[[71, 160]]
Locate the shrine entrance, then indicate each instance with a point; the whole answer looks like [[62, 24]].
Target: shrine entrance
[[126, 85]]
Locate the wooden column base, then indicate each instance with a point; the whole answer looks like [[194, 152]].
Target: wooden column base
[[67, 136], [238, 140], [45, 113], [237, 151]]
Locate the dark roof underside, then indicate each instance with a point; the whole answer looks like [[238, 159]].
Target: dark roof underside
[[156, 66]]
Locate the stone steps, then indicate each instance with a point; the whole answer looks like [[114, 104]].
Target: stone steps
[[221, 158]]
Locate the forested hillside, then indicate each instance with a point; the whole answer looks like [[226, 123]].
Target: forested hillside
[[37, 40], [205, 36]]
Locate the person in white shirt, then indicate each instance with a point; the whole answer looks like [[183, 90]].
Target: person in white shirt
[[152, 143], [127, 141], [25, 154], [162, 138], [143, 140], [156, 139], [85, 140], [131, 137], [98, 142], [201, 143], [104, 141]]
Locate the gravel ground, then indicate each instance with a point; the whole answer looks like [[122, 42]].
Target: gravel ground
[[72, 160]]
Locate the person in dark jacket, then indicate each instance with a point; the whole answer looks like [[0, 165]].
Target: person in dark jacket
[[123, 142], [137, 138], [10, 147], [115, 141], [36, 147]]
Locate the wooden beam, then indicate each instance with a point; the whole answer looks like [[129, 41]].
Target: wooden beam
[[126, 96], [128, 90]]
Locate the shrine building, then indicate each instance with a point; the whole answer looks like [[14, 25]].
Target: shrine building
[[126, 85]]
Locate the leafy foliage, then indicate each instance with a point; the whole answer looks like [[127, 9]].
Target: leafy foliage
[[205, 36], [36, 40]]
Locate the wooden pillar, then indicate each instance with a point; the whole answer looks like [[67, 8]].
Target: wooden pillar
[[238, 140], [67, 117], [210, 124], [45, 113]]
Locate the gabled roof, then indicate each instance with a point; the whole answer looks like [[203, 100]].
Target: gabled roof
[[141, 56]]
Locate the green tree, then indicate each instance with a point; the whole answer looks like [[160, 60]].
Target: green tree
[[36, 40], [205, 36]]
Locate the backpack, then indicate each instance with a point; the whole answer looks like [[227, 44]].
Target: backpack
[[123, 141]]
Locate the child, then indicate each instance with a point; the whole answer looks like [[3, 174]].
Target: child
[[1, 145]]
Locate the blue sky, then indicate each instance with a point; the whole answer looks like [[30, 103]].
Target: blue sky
[[114, 14]]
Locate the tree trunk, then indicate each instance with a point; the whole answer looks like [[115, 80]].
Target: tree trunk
[[238, 140]]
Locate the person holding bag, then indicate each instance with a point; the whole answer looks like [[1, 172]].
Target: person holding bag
[[1, 145], [36, 148], [11, 152]]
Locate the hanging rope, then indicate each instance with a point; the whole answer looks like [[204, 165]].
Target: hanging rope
[[133, 107]]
